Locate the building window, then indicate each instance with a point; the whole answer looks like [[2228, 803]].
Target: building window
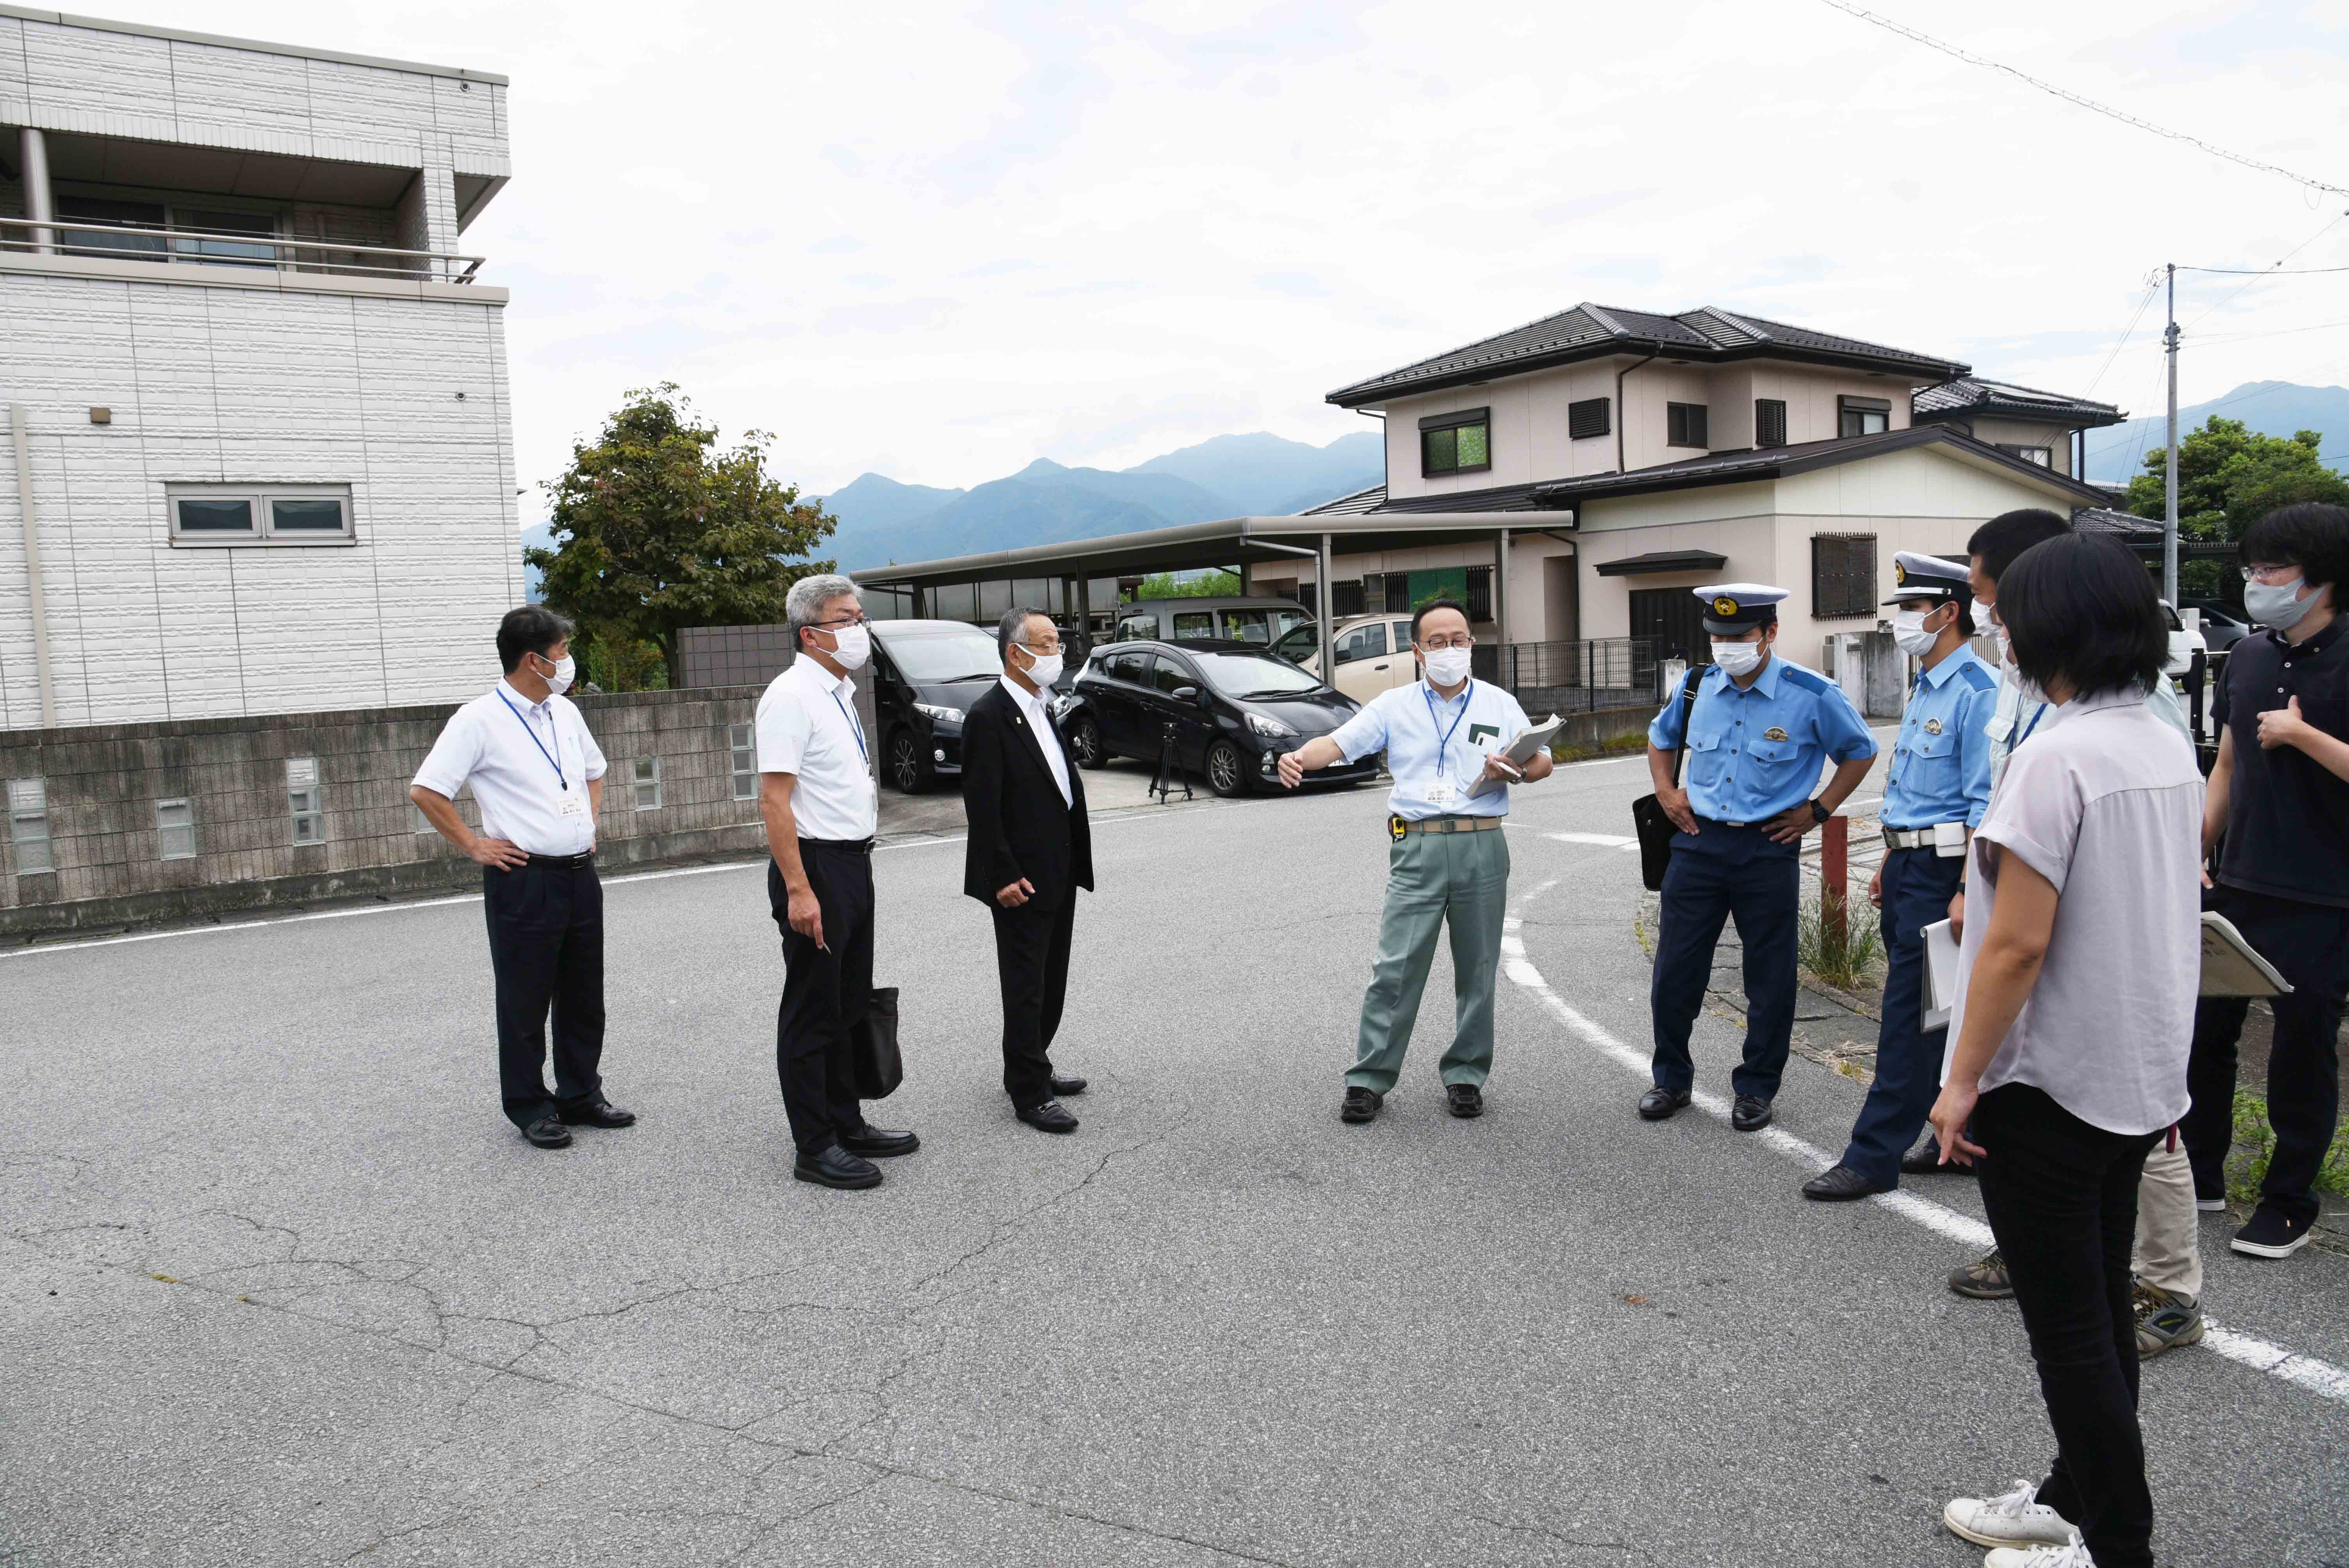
[[203, 234], [1588, 418], [1684, 425], [1346, 598], [259, 514], [2044, 456], [1480, 592], [28, 825], [301, 796], [1842, 576], [648, 783], [1459, 443], [1862, 416], [1769, 421], [743, 741], [175, 830]]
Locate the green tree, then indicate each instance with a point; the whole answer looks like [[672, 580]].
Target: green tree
[[657, 529], [1208, 584], [2227, 477]]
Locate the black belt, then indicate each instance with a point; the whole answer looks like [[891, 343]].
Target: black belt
[[565, 861], [845, 846]]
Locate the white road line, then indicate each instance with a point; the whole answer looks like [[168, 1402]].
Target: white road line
[[2319, 1378], [1601, 840]]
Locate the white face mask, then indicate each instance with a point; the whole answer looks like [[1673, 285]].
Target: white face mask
[[564, 669], [851, 646], [1737, 658], [1042, 669], [1909, 633], [1446, 667], [2030, 693], [1980, 616], [2278, 604]]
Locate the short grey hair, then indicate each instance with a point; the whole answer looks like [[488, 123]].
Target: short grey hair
[[1013, 627], [804, 604]]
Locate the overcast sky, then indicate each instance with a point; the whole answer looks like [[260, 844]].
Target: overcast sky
[[938, 241]]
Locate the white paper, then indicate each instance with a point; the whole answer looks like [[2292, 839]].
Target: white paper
[[1520, 751], [2232, 967], [1941, 975]]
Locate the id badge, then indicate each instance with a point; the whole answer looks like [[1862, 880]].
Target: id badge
[[1440, 793], [573, 805]]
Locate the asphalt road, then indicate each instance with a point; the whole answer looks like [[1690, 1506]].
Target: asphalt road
[[279, 1286]]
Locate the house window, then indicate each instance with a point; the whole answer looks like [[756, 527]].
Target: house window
[[1459, 443], [259, 514], [1862, 416], [1842, 576], [1480, 592], [1684, 425], [1588, 418], [2044, 456], [219, 238], [175, 830], [301, 796], [1346, 597], [1769, 421], [648, 783], [28, 825], [743, 741]]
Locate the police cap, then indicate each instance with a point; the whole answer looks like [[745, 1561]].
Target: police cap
[[1919, 576], [1734, 607]]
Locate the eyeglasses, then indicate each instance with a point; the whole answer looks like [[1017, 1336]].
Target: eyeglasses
[[2273, 576], [1462, 641], [1043, 650], [836, 625]]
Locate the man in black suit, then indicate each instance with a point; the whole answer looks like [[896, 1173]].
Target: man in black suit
[[1030, 850]]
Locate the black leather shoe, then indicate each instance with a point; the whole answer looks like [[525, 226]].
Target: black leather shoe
[[872, 1142], [599, 1112], [1925, 1159], [1839, 1184], [1750, 1114], [1659, 1103], [1067, 1085], [1048, 1117], [1361, 1105], [833, 1166], [548, 1132], [1464, 1099]]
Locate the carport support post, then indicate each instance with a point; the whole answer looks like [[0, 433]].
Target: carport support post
[[1501, 608], [1322, 610]]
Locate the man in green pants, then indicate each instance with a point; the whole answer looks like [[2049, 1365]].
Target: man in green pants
[[1445, 857]]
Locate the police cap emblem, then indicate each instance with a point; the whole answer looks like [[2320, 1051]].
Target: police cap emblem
[[1899, 572], [1724, 605], [1776, 732]]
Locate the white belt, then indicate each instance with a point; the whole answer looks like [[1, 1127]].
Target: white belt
[[1912, 838]]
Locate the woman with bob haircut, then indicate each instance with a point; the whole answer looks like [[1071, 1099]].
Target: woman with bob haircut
[[2068, 1041]]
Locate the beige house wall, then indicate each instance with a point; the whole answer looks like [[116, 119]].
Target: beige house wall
[[2027, 433]]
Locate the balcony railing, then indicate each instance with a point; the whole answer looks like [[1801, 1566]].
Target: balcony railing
[[230, 248]]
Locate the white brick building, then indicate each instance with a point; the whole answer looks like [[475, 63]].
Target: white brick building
[[254, 399]]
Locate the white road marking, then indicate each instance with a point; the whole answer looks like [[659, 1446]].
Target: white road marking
[[1602, 841], [2319, 1378]]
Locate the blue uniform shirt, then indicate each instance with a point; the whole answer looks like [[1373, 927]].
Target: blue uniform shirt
[[1755, 753], [1940, 770], [1435, 749]]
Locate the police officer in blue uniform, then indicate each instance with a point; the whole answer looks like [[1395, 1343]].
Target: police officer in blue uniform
[[1756, 733], [1936, 788]]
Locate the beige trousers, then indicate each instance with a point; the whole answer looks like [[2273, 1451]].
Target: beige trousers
[[2168, 1252]]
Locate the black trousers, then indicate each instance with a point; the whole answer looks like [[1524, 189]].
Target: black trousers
[[2061, 1196], [1031, 961], [546, 948], [2308, 946], [1715, 874], [827, 991]]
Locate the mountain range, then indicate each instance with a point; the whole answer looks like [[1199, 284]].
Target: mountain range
[[2117, 453]]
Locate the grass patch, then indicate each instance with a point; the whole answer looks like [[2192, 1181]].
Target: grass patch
[[2247, 1166], [1845, 959], [1620, 746]]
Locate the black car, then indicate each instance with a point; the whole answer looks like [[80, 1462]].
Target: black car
[[1234, 707], [925, 673]]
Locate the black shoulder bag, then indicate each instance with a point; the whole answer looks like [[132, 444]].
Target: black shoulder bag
[[1648, 818], [872, 1048]]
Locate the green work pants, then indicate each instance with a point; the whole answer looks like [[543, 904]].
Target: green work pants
[[1432, 878]]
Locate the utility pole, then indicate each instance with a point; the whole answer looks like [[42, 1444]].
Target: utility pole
[[2169, 469]]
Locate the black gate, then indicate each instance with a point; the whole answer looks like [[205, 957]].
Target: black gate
[[1672, 621]]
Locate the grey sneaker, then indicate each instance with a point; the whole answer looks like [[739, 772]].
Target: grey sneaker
[[2016, 1519], [2165, 1320], [1984, 1279]]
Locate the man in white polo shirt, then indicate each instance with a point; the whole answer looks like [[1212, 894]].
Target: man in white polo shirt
[[1447, 863], [538, 778], [817, 792]]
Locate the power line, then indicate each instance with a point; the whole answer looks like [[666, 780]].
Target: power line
[[2069, 96], [2127, 332], [2266, 271]]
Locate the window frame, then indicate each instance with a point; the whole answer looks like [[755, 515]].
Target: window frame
[[36, 792], [1579, 413], [742, 746], [1848, 406], [2045, 457], [1778, 404], [265, 533], [165, 830], [1689, 425], [1459, 419], [1856, 596], [306, 801], [637, 783]]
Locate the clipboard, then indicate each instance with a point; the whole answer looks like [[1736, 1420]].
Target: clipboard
[[1520, 751], [1941, 975], [2230, 967]]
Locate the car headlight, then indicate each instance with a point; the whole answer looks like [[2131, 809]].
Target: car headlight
[[1265, 724], [944, 715]]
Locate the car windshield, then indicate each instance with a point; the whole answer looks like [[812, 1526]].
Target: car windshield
[[966, 654], [1255, 675]]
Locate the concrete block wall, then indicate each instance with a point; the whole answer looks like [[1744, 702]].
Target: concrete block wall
[[731, 656]]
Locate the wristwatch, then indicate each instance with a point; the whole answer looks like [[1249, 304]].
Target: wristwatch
[[1820, 812]]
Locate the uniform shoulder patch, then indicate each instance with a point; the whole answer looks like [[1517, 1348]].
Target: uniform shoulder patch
[[1808, 679], [1973, 673]]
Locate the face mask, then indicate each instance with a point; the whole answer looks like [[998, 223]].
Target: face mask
[[1043, 669], [1737, 658], [1447, 667], [2278, 604], [1909, 635], [2030, 693], [2005, 643], [560, 681], [851, 645], [1978, 615]]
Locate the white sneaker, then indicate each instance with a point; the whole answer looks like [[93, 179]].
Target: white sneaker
[[2070, 1555], [2211, 1205], [2011, 1520]]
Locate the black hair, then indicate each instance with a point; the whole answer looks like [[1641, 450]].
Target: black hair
[[2312, 535], [532, 629], [2009, 534], [2083, 608], [1432, 605]]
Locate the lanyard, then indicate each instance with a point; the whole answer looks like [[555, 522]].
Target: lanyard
[[534, 741], [855, 728], [1443, 741], [2032, 726]]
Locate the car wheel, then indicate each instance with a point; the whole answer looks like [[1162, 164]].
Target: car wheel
[[1085, 743], [1227, 769], [909, 770]]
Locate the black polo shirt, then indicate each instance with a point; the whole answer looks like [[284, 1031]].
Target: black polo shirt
[[2287, 817]]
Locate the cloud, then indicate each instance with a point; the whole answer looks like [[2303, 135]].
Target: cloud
[[836, 245], [1304, 286]]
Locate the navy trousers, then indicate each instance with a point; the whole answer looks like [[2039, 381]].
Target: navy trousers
[[1717, 873], [1918, 886]]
